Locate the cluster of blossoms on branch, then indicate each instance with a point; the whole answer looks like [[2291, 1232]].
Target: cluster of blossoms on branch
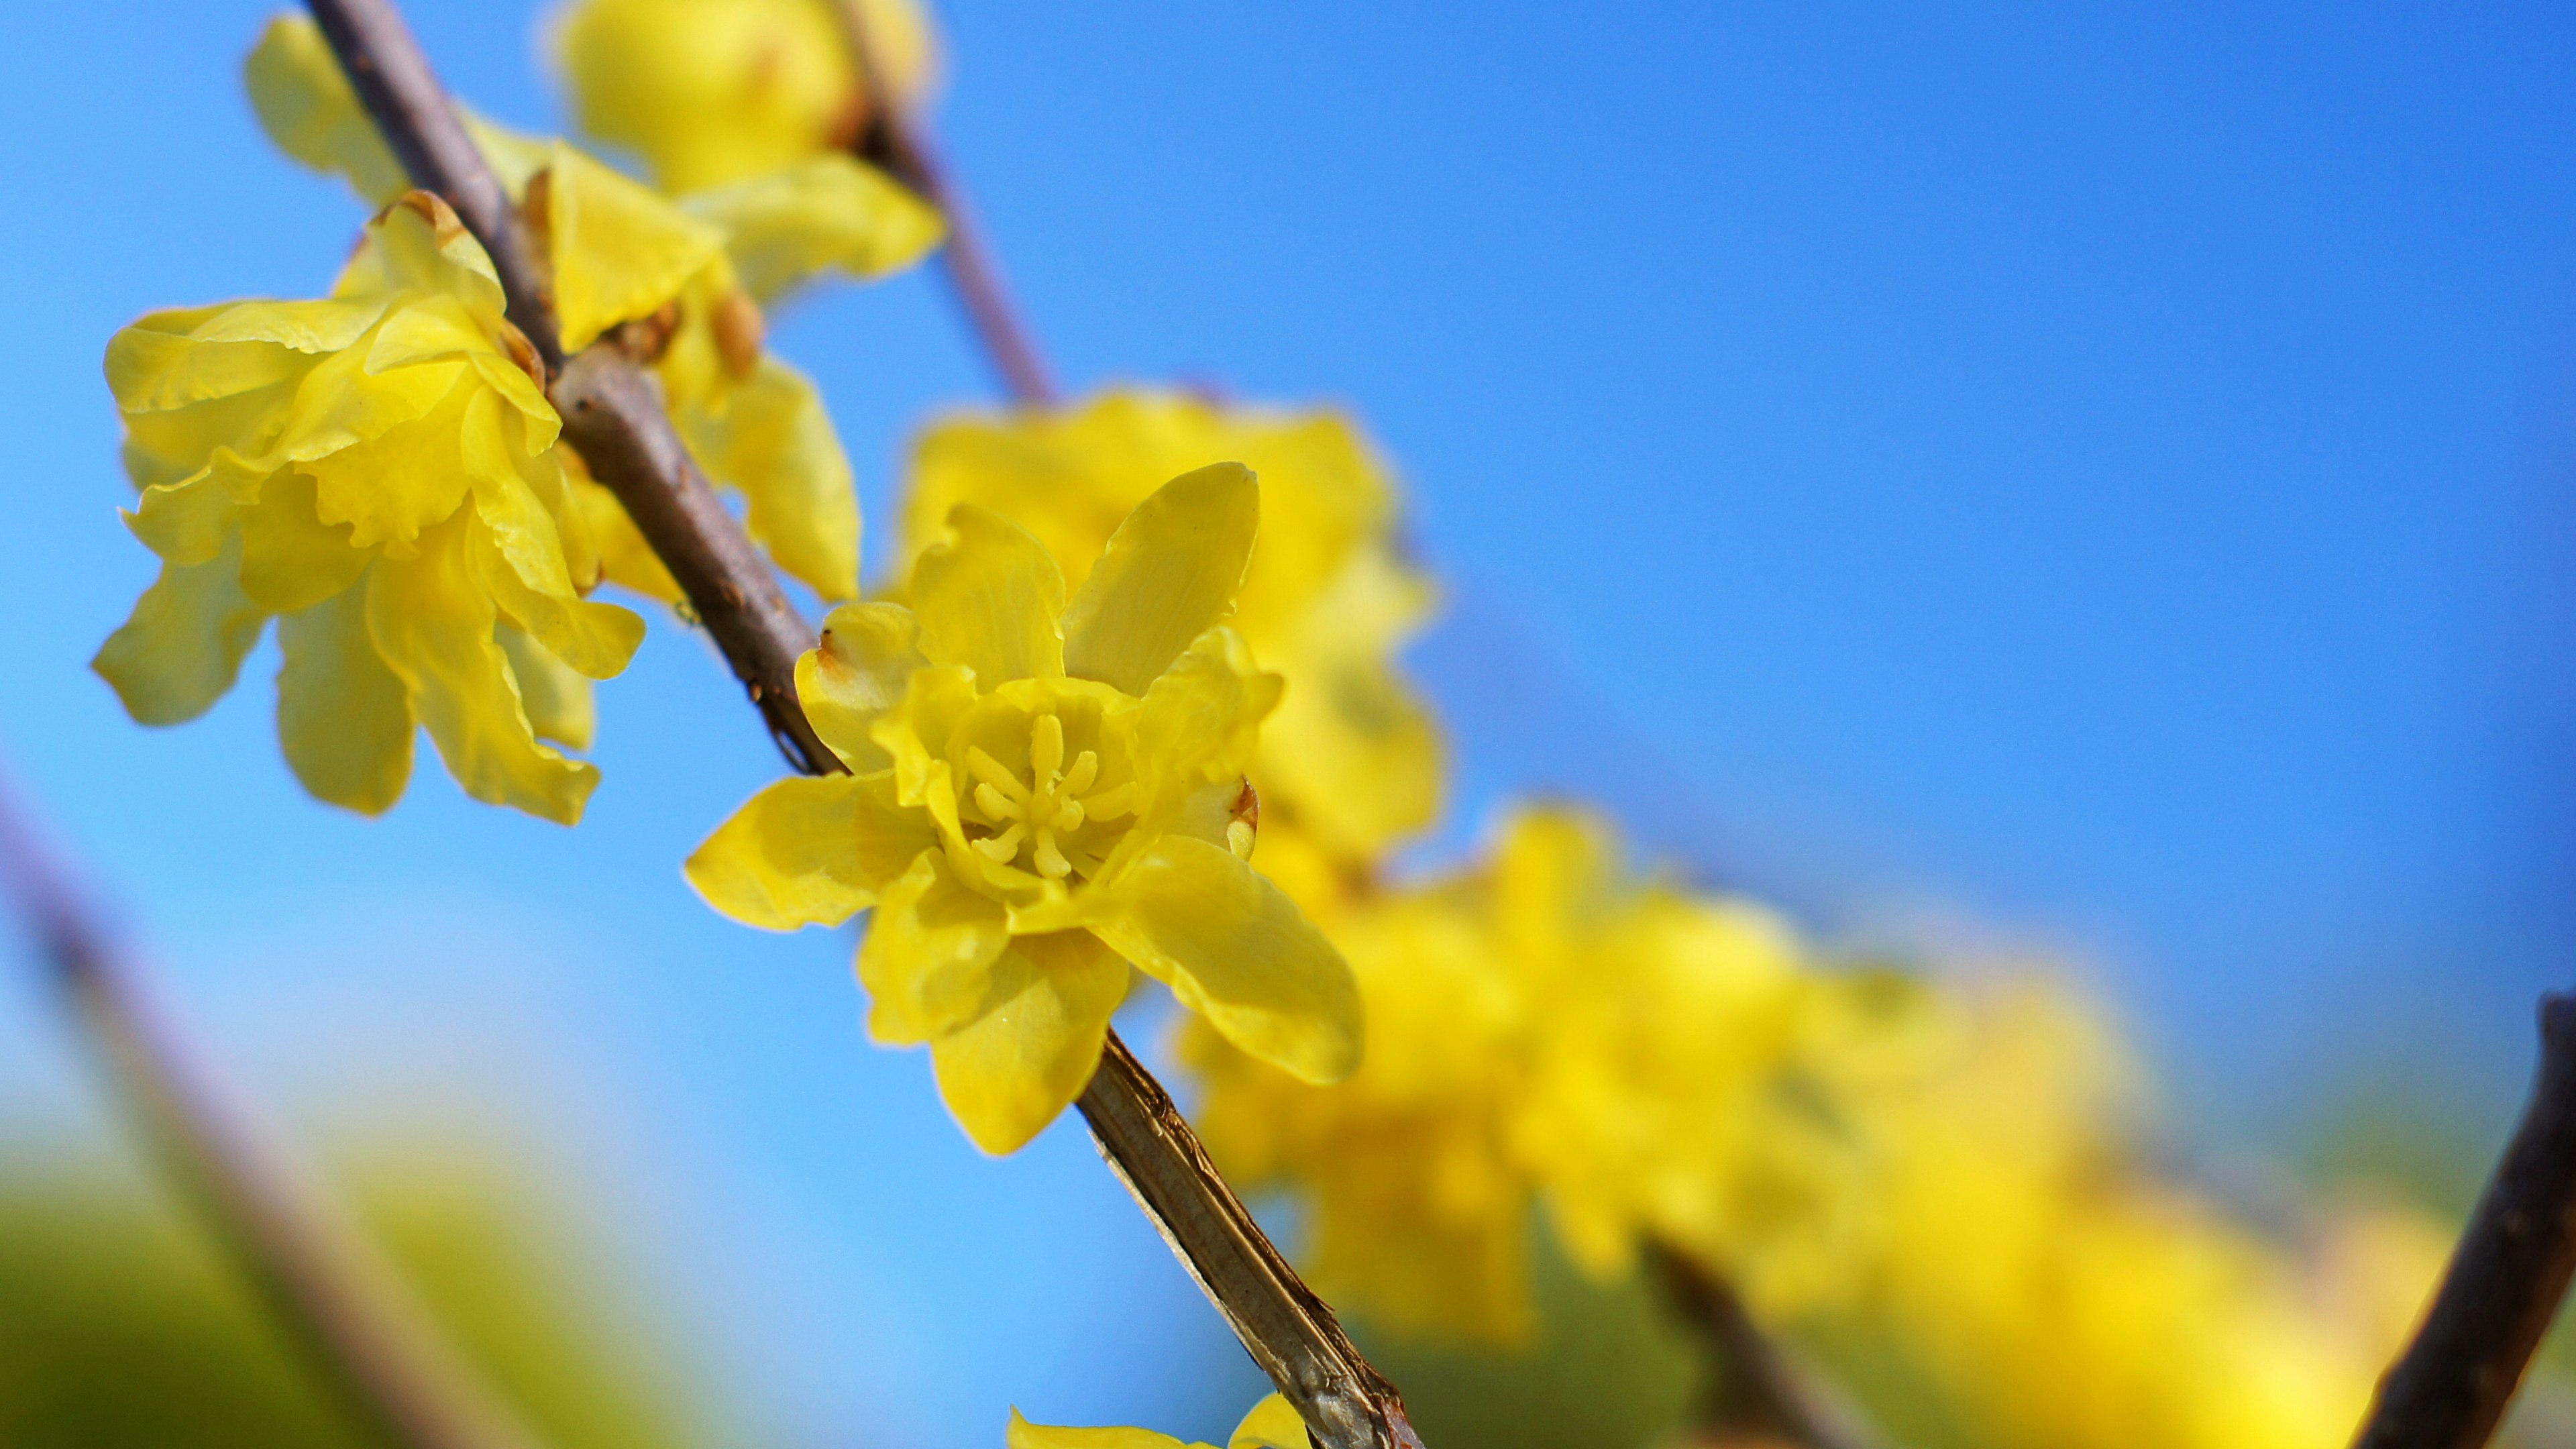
[[1133, 700]]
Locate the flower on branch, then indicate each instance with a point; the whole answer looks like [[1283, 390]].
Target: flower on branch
[[713, 92], [1352, 761], [1272, 1424], [378, 468], [1044, 791], [666, 277]]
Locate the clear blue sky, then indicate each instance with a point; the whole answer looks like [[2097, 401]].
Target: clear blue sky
[[2101, 473]]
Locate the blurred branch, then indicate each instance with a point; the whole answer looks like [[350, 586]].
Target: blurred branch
[[2449, 1389], [895, 143], [339, 1302], [1749, 1394], [613, 419]]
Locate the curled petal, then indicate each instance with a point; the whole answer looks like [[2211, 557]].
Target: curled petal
[[1022, 1061], [1236, 950], [620, 250], [773, 440], [857, 672], [290, 559], [808, 852], [1201, 722], [433, 625], [559, 698], [827, 212], [928, 959], [1170, 574], [183, 646], [343, 717], [988, 597]]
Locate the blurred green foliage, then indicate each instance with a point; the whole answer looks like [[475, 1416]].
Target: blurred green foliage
[[122, 1327]]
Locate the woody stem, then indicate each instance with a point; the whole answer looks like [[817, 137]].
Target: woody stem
[[611, 417]]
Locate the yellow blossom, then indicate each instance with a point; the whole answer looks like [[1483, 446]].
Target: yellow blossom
[[1042, 792], [719, 91], [1352, 761], [619, 253], [378, 468], [1272, 1424]]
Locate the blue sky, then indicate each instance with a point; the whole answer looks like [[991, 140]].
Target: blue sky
[[2098, 475]]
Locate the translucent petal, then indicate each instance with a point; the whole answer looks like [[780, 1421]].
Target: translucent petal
[[169, 360], [190, 520], [559, 699], [308, 110], [1272, 1424], [827, 211], [808, 852], [343, 717], [620, 251], [183, 645], [1201, 722], [1025, 1435], [857, 672], [1023, 1060], [519, 558], [928, 957], [624, 557], [1169, 575], [988, 598], [774, 440], [290, 559], [433, 626], [1236, 950]]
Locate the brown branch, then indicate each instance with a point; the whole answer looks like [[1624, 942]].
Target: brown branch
[[613, 419], [347, 1312], [1289, 1330], [2449, 1389], [895, 143], [1749, 1393]]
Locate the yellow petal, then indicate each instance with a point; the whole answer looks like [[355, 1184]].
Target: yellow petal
[[433, 625], [928, 957], [620, 251], [1025, 1435], [169, 360], [988, 598], [1011, 1071], [558, 698], [182, 647], [189, 521], [915, 732], [774, 441], [1236, 950], [858, 671], [343, 717], [808, 852], [290, 559], [828, 211], [518, 558], [1169, 575], [1272, 1424], [391, 486], [305, 104], [625, 558], [1201, 722]]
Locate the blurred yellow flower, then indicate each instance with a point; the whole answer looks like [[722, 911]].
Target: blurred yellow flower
[[619, 253], [717, 91], [1352, 760], [1272, 1424], [1041, 788], [378, 468]]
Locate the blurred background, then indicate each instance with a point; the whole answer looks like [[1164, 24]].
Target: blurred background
[[1985, 478]]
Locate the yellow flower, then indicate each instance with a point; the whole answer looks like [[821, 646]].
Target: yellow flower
[[718, 91], [1352, 760], [1272, 1424], [379, 469], [620, 253], [1547, 1029], [1039, 789]]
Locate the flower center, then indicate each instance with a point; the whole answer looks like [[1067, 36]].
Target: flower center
[[1038, 815]]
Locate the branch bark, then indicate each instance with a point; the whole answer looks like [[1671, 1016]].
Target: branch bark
[[2449, 1389], [339, 1303], [613, 418], [894, 143], [1749, 1393]]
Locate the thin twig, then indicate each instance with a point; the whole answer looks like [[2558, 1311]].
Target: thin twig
[[1749, 1393], [611, 418], [373, 1346], [2449, 1389], [897, 144]]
